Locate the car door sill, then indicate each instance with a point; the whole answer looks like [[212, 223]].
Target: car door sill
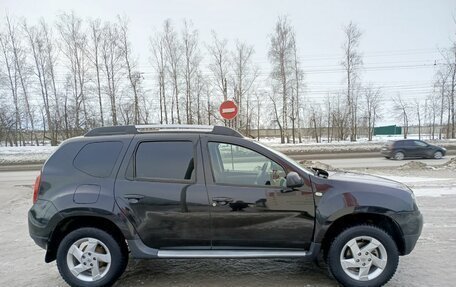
[[230, 253], [140, 251]]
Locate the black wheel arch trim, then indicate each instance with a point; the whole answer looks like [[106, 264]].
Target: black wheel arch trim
[[76, 216], [404, 232]]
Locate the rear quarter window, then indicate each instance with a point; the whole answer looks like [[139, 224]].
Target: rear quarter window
[[98, 159]]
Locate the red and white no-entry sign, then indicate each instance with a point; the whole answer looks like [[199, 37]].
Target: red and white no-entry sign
[[228, 110]]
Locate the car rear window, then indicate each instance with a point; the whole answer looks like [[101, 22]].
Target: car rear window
[[98, 159], [165, 160]]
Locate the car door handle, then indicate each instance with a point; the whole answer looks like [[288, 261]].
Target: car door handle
[[221, 201], [134, 198]]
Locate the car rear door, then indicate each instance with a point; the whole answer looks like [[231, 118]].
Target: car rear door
[[250, 209], [161, 190]]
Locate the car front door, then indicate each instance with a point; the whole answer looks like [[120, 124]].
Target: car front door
[[251, 206], [161, 190], [421, 149]]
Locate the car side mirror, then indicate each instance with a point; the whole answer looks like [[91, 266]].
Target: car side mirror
[[294, 180]]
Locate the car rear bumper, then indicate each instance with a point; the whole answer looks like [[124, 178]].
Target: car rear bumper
[[386, 152], [38, 222]]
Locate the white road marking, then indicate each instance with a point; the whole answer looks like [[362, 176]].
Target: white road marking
[[228, 110]]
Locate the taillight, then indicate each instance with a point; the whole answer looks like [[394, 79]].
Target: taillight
[[36, 188]]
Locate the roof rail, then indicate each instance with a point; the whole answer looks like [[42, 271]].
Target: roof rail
[[156, 128]]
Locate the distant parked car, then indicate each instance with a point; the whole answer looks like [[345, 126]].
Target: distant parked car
[[401, 149]]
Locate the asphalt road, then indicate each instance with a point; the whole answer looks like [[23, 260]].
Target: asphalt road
[[22, 262]]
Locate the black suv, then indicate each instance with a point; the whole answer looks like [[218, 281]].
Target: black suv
[[401, 149], [207, 192]]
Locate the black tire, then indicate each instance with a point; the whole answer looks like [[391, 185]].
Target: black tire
[[399, 155], [339, 245], [437, 155], [117, 251]]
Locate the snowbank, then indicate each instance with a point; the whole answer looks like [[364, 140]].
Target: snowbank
[[25, 154]]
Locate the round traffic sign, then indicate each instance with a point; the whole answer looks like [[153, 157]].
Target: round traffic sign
[[228, 110]]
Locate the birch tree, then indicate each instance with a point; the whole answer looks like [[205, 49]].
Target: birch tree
[[158, 60], [372, 104], [20, 64], [219, 66], [134, 76], [351, 64], [173, 52], [280, 55], [245, 72], [94, 51], [191, 63]]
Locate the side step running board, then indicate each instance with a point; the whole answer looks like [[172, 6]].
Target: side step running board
[[229, 254], [140, 251]]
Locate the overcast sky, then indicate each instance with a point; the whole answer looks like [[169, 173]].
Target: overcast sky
[[400, 43]]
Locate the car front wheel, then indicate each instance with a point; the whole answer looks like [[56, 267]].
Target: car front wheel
[[90, 257], [438, 155], [363, 255]]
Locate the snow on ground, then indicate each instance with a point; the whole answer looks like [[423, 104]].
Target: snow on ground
[[361, 145], [427, 186], [38, 154], [25, 154], [375, 139]]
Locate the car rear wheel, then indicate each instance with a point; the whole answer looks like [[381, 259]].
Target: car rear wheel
[[90, 257], [363, 256], [399, 155], [438, 155]]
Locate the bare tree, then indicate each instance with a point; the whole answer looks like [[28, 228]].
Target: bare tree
[[280, 55], [244, 75], [372, 102], [96, 34], [75, 45], [431, 111], [298, 80], [419, 115], [173, 52], [112, 56], [157, 47], [451, 62], [441, 84], [13, 85], [51, 60], [36, 42], [329, 117], [192, 59], [351, 63], [316, 120], [402, 110], [200, 86], [20, 64], [134, 77], [274, 100], [219, 64]]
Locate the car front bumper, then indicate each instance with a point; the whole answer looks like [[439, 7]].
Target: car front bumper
[[411, 225]]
